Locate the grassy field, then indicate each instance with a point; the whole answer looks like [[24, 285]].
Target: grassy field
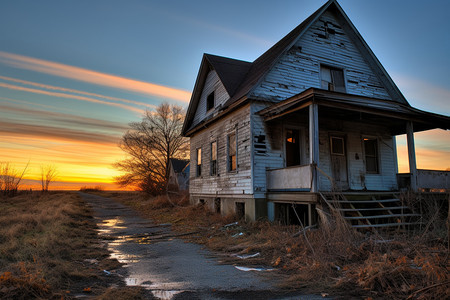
[[49, 250], [334, 259]]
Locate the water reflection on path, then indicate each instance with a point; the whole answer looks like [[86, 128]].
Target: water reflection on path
[[172, 268]]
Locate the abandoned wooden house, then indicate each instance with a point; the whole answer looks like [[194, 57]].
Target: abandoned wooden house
[[314, 115]]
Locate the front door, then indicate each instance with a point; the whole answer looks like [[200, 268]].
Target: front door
[[339, 162], [292, 147]]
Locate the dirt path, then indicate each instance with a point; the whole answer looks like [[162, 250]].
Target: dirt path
[[170, 267]]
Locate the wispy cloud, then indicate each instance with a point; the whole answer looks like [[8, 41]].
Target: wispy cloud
[[57, 88], [68, 119], [70, 96], [93, 77], [12, 128]]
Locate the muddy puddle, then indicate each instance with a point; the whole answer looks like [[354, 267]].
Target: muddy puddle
[[155, 258]]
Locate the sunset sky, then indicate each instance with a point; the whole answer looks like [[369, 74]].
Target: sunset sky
[[73, 74]]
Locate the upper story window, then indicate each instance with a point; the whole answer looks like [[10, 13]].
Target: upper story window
[[371, 155], [232, 163], [198, 171], [210, 102], [213, 158], [332, 79]]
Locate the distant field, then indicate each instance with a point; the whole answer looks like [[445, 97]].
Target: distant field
[[49, 249]]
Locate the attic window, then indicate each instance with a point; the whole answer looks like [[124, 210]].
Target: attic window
[[210, 102], [332, 79]]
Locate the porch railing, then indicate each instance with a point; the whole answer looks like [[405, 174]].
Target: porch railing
[[426, 180], [296, 178]]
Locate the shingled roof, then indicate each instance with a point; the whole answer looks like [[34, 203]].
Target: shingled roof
[[230, 71]]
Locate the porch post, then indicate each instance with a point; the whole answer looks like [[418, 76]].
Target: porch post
[[314, 143], [411, 154]]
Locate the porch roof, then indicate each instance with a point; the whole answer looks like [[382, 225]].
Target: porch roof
[[354, 107]]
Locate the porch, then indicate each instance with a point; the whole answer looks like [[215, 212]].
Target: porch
[[349, 149], [348, 144]]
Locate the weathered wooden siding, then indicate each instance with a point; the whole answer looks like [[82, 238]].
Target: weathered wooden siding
[[212, 84], [299, 68], [268, 152], [225, 183]]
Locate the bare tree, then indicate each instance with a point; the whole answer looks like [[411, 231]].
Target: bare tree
[[48, 175], [10, 178], [150, 144]]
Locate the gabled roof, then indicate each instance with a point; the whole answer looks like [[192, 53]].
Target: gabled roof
[[230, 71], [262, 65], [241, 78]]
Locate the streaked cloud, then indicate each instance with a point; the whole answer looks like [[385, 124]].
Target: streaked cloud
[[93, 77], [57, 88], [69, 96], [12, 128], [71, 120]]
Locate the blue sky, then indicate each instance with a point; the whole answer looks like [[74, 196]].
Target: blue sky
[[76, 72]]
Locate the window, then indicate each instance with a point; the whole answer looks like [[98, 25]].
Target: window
[[213, 171], [210, 101], [199, 162], [232, 152], [332, 79], [337, 146], [371, 155]]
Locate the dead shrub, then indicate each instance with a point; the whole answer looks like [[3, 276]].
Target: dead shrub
[[44, 242], [23, 284], [87, 189]]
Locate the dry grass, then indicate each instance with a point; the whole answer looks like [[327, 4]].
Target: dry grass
[[47, 247], [333, 258]]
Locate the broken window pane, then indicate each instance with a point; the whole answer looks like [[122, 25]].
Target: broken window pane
[[332, 79]]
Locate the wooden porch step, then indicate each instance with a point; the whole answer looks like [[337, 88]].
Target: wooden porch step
[[381, 216], [375, 208], [385, 225], [387, 204]]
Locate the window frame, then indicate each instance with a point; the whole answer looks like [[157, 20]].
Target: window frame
[[371, 156], [213, 162], [332, 148], [342, 89], [198, 168], [230, 157]]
